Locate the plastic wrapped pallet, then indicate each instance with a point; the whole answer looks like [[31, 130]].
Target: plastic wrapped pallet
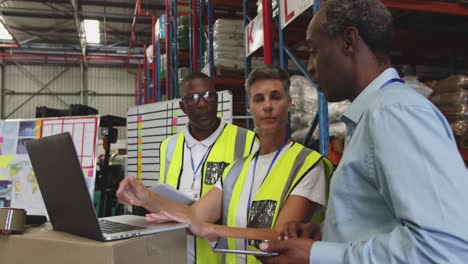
[[336, 110], [460, 127], [236, 53], [305, 104], [229, 48], [228, 44], [337, 129], [452, 84], [454, 112], [453, 98], [228, 26], [303, 95]]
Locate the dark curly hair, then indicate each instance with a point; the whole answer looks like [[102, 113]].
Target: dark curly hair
[[370, 17]]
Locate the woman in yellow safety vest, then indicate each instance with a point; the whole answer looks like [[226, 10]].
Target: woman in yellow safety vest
[[282, 182]]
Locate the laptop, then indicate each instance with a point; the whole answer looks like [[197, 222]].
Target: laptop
[[67, 199]]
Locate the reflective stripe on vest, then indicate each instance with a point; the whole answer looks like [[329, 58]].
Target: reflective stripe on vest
[[233, 143], [168, 146], [294, 164]]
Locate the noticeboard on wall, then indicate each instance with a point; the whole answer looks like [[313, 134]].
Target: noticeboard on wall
[[18, 185]]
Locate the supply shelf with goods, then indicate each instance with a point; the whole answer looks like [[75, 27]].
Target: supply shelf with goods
[[430, 51], [171, 60], [145, 87], [169, 50], [265, 35], [217, 46]]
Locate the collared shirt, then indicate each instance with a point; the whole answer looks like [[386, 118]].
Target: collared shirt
[[400, 193], [199, 148]]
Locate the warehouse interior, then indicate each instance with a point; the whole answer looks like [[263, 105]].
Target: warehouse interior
[[124, 60]]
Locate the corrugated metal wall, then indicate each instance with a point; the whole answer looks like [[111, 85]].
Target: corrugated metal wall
[[114, 89], [30, 79], [111, 89]]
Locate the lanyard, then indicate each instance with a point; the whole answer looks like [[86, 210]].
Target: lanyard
[[392, 81], [268, 171], [195, 170]]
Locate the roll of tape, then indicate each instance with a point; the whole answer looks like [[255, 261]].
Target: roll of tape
[[12, 220]]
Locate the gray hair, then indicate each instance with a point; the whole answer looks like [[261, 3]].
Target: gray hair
[[270, 72], [370, 17], [190, 77]]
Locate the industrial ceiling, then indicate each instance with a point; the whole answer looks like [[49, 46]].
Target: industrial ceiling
[[51, 31]]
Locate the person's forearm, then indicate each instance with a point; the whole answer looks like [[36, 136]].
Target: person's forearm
[[156, 203], [249, 233]]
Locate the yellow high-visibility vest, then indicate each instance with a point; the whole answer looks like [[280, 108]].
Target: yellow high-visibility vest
[[288, 171], [233, 143]]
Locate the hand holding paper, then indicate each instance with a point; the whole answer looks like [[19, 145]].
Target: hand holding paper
[[172, 194]]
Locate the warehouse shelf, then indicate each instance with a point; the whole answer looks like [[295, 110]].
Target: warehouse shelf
[[429, 6], [464, 153], [431, 33], [228, 82], [287, 53], [202, 21]]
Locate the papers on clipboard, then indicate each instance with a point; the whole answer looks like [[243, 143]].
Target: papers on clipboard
[[172, 194]]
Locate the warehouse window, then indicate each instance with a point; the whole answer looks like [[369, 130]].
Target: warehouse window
[[4, 34], [92, 31]]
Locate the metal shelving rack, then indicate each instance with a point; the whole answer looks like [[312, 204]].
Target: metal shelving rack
[[170, 86], [208, 7], [196, 24], [157, 67], [450, 8], [456, 43], [203, 14], [321, 119]]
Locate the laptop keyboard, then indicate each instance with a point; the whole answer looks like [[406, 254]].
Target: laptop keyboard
[[110, 227]]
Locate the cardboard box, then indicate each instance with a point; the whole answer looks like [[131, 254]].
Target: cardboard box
[[42, 245]]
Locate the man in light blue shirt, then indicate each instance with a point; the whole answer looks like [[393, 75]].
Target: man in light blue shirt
[[400, 192]]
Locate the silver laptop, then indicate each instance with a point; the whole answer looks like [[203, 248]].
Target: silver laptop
[[67, 199]]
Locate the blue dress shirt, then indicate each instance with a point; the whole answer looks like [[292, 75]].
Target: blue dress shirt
[[400, 192]]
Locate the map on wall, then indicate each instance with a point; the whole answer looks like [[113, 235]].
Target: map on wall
[[18, 185]]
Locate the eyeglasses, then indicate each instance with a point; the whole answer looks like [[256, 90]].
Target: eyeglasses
[[208, 96]]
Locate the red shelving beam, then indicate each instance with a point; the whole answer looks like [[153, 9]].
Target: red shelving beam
[[464, 153], [428, 6], [267, 32]]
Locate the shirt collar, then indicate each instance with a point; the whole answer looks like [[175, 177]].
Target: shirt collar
[[360, 104], [208, 141]]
